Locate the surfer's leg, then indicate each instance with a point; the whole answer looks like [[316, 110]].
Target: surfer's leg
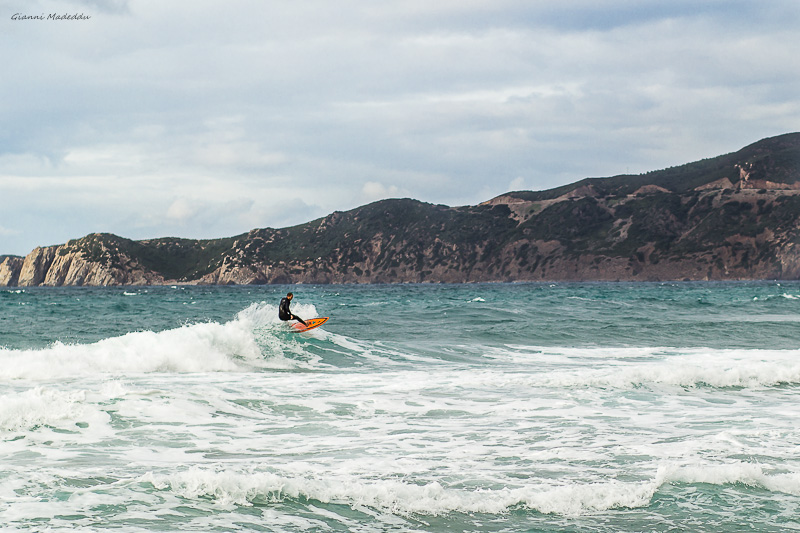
[[300, 320]]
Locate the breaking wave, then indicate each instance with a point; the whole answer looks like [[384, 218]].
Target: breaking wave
[[254, 338], [634, 367], [399, 497]]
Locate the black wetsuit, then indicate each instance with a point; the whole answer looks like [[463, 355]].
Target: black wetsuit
[[285, 314]]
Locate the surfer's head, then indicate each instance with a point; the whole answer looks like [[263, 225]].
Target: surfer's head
[[290, 296]]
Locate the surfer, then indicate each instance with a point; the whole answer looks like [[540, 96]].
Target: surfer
[[283, 310]]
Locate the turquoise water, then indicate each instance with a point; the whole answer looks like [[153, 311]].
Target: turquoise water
[[498, 407]]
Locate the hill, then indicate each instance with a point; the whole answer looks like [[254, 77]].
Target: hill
[[729, 217]]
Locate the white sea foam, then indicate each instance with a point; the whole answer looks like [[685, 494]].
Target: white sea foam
[[769, 297], [726, 369], [40, 407], [396, 496], [750, 376], [206, 347], [631, 367], [404, 498], [750, 474]]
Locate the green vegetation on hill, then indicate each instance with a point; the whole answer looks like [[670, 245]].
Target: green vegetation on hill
[[732, 215], [776, 159], [178, 259]]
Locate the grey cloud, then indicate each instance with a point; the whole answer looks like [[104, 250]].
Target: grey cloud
[[298, 106], [102, 6]]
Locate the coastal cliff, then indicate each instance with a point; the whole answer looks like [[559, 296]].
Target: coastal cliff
[[736, 216], [70, 265], [10, 267]]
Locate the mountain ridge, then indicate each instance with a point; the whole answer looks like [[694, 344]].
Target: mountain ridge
[[733, 216]]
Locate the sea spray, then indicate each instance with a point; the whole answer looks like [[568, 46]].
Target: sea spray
[[252, 338], [396, 496], [40, 406], [401, 497]]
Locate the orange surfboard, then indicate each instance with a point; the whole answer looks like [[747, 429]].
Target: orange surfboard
[[312, 323]]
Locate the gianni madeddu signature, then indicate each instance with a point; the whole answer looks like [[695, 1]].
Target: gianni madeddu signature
[[51, 16]]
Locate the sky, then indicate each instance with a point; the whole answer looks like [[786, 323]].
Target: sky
[[206, 119]]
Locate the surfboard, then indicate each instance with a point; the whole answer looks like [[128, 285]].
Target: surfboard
[[312, 323]]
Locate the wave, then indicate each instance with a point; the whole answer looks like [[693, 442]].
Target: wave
[[394, 496], [53, 408], [744, 375], [785, 296], [39, 407], [404, 498], [255, 338], [635, 367], [748, 474]]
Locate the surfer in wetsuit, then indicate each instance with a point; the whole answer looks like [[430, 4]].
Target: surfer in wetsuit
[[283, 310]]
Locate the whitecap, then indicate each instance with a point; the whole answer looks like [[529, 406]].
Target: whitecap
[[39, 407], [236, 346], [400, 497]]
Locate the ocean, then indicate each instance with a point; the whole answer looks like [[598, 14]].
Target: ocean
[[480, 407]]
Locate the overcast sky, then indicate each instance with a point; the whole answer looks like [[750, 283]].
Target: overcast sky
[[205, 119]]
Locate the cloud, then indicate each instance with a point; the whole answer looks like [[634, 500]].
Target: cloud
[[372, 190], [152, 114], [181, 210], [104, 6], [8, 232], [517, 184]]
